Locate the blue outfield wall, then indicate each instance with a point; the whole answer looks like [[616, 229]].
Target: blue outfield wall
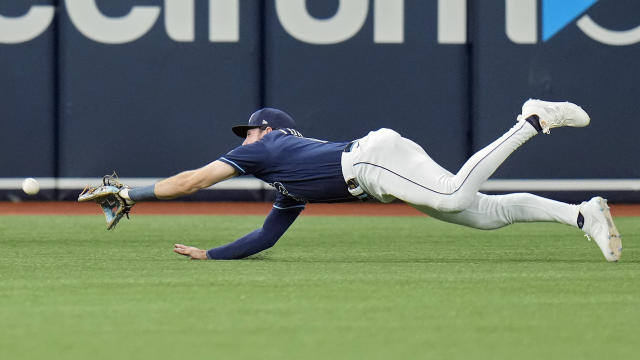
[[342, 91], [27, 100], [570, 65], [151, 87], [154, 106]]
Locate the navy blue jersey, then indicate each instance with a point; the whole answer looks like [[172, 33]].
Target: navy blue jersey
[[301, 169]]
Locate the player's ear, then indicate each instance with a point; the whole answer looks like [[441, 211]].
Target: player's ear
[[268, 129]]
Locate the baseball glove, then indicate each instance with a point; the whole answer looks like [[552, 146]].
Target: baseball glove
[[108, 198]]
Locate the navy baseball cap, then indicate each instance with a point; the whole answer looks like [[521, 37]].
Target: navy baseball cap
[[274, 118]]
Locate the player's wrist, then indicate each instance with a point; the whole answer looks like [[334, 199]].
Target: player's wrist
[[142, 193], [124, 193]]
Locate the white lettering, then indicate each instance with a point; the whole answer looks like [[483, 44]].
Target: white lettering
[[179, 19], [14, 30], [88, 19], [224, 21], [388, 21], [522, 21], [347, 21], [606, 36], [452, 21]]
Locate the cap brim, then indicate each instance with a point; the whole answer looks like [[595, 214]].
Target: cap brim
[[241, 130]]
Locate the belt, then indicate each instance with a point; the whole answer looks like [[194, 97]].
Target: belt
[[353, 186]]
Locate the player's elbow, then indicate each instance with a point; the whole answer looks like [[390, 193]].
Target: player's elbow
[[270, 242], [268, 239]]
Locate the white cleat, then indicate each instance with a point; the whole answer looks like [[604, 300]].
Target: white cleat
[[598, 225], [555, 114]]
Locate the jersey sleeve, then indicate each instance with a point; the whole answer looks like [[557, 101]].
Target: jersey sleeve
[[275, 225], [246, 159]]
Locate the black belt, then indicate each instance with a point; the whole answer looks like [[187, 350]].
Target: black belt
[[352, 183]]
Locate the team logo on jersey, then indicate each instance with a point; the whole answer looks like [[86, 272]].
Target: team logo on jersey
[[283, 190]]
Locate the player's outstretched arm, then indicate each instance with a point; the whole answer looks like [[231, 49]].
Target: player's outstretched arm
[[184, 183], [188, 182]]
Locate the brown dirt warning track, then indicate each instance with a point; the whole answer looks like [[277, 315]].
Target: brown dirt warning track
[[236, 208]]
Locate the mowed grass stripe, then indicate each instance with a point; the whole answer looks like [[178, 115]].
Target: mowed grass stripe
[[357, 287]]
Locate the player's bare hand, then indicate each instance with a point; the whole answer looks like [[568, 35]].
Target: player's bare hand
[[192, 252]]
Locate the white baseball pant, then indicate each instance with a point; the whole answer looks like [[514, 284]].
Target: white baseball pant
[[388, 167]]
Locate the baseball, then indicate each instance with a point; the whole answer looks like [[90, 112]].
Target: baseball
[[30, 186]]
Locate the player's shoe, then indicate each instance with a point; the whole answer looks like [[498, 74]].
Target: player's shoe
[[554, 114], [598, 225]]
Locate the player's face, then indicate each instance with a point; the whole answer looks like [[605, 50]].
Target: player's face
[[255, 134]]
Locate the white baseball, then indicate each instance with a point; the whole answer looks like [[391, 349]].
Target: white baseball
[[30, 186]]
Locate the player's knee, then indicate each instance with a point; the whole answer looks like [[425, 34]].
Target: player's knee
[[450, 207], [454, 203]]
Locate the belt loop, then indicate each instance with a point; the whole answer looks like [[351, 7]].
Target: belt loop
[[355, 189], [350, 146], [353, 186]]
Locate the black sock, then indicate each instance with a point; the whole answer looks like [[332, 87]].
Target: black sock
[[580, 220], [534, 120]]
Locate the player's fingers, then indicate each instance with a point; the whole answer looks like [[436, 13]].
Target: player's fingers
[[182, 247], [181, 251]]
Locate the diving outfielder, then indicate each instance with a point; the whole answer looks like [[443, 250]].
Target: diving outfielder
[[383, 166]]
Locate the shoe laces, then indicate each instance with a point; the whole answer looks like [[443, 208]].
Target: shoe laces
[[561, 116], [556, 117]]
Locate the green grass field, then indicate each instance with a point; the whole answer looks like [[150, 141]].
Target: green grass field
[[333, 287]]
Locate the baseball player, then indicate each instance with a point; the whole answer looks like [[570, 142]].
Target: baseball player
[[382, 166]]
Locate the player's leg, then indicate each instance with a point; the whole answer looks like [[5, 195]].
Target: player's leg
[[465, 184], [537, 116], [495, 211], [390, 166]]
